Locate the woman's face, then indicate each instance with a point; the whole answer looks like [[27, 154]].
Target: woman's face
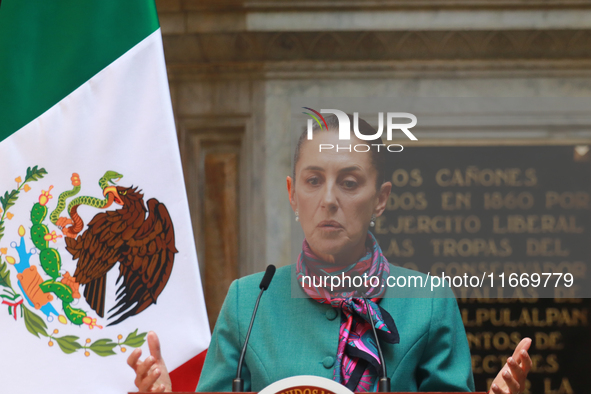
[[335, 195]]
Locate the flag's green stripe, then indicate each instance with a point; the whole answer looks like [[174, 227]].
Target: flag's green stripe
[[48, 48]]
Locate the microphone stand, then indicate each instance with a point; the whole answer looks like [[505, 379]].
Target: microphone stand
[[384, 381], [238, 382]]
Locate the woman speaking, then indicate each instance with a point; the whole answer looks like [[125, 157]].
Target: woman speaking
[[318, 329]]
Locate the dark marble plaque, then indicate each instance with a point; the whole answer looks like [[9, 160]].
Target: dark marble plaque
[[502, 210]]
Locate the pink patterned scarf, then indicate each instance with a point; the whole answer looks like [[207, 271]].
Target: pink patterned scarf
[[357, 362]]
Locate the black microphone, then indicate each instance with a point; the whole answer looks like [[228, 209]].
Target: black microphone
[[384, 382], [238, 383], [266, 281]]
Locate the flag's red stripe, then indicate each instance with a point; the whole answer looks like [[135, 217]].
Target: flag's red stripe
[[185, 377]]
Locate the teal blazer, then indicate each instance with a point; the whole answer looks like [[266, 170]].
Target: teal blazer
[[299, 336]]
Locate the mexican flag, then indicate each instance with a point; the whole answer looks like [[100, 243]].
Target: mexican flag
[[96, 243]]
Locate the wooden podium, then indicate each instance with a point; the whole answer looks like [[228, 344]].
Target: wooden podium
[[307, 384]]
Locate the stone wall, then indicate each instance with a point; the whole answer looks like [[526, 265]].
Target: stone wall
[[234, 66]]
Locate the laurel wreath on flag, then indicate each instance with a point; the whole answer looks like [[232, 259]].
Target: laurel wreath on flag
[[59, 285]]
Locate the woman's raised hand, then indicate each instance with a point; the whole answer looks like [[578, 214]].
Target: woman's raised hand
[[511, 378], [151, 375]]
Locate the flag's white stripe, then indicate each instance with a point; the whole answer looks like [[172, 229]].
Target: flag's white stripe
[[125, 112]]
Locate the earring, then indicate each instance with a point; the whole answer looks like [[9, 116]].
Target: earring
[[297, 215], [372, 222]]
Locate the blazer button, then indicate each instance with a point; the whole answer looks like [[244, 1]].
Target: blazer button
[[328, 362], [331, 314]]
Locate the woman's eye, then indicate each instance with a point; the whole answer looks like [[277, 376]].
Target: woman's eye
[[313, 181], [349, 184]]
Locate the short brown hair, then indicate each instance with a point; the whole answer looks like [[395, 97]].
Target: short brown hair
[[332, 123]]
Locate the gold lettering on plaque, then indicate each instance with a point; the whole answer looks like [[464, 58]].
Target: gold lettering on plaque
[[401, 177], [493, 340], [406, 201], [534, 317], [427, 224], [394, 249], [567, 200], [451, 201], [548, 340], [564, 388], [546, 247], [533, 224], [496, 200], [466, 247], [473, 176]]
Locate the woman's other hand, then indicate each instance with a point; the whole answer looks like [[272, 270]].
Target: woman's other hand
[[511, 378], [151, 375]]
